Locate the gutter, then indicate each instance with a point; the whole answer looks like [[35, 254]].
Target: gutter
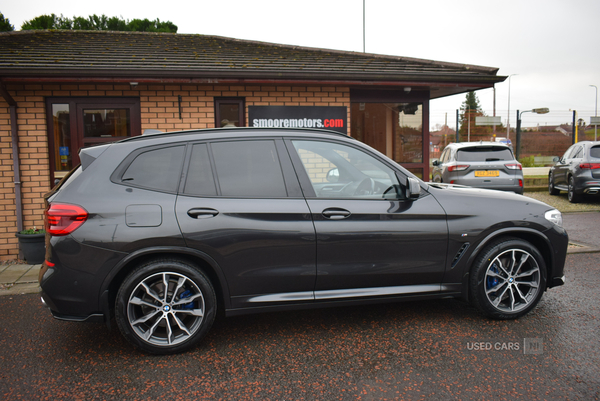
[[15, 154]]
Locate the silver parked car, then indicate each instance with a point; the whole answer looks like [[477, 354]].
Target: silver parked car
[[490, 165], [577, 172]]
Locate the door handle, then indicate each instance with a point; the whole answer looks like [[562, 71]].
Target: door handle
[[335, 213], [202, 213]]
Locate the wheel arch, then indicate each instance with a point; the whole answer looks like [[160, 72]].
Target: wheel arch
[[208, 265], [534, 237]]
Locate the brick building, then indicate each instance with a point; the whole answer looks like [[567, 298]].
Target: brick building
[[64, 90]]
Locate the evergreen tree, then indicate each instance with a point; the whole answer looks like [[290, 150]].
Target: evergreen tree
[[5, 25], [469, 110]]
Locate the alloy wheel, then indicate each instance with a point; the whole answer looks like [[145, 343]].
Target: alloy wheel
[[512, 281], [166, 309]]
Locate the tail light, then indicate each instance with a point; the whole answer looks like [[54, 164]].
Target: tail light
[[458, 167], [63, 218], [514, 166], [589, 166], [521, 183]]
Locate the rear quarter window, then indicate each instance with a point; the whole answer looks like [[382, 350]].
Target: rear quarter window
[[158, 169]]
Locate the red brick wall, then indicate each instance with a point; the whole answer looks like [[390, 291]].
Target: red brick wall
[[159, 110]]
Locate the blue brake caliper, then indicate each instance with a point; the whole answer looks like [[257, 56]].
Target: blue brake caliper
[[186, 294], [491, 282]]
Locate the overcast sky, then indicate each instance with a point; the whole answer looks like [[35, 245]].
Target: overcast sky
[[552, 45]]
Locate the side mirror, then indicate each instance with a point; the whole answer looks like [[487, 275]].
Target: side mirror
[[413, 188], [436, 162], [333, 175], [555, 159]]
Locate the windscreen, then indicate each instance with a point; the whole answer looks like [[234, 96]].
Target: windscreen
[[595, 152]]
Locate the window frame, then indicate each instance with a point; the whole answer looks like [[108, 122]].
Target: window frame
[[240, 101]]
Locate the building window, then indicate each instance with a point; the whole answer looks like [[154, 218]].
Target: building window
[[229, 112], [395, 123], [75, 123]]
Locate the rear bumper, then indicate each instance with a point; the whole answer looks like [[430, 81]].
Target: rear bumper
[[49, 303], [507, 188], [95, 317], [586, 183], [592, 191]]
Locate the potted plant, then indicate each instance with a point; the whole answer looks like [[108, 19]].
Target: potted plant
[[32, 243]]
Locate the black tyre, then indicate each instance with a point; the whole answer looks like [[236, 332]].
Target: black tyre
[[551, 189], [165, 306], [572, 196], [508, 279]]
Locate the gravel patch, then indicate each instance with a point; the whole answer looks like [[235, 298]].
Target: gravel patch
[[560, 202]]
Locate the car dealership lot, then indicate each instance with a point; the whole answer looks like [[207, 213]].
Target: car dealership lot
[[413, 350]]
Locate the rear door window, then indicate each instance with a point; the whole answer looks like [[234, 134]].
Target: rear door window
[[248, 168], [200, 180]]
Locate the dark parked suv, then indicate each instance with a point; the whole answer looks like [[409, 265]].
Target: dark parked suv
[[577, 172], [161, 231]]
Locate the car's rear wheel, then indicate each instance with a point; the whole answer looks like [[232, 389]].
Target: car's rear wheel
[[165, 306], [508, 279], [573, 196], [551, 189]]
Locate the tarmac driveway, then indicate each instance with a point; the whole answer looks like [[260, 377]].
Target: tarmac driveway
[[437, 349]]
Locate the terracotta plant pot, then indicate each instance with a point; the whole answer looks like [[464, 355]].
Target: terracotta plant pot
[[33, 247]]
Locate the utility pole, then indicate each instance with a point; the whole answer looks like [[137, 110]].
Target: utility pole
[[468, 123], [457, 134], [494, 109], [508, 115], [364, 35], [596, 114]]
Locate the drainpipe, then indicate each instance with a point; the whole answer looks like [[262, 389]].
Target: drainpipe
[[15, 154]]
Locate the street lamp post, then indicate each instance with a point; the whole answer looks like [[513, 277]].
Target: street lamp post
[[508, 115], [468, 123], [596, 114], [543, 110]]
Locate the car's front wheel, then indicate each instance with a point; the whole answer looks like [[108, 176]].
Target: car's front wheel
[[165, 306], [508, 279], [551, 189]]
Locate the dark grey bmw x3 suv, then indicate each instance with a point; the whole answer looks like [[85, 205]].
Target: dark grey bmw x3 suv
[[160, 231]]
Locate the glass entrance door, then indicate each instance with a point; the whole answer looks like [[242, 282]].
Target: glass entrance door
[[75, 123]]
